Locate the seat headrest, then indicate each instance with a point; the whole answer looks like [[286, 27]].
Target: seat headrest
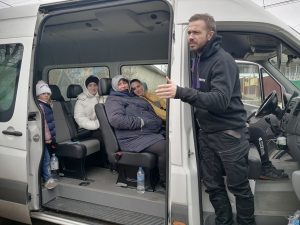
[[104, 86], [56, 94], [74, 90]]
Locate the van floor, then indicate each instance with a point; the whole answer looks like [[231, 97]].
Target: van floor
[[277, 196], [101, 198], [275, 200]]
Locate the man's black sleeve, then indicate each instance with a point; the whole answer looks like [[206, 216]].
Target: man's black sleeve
[[223, 78]]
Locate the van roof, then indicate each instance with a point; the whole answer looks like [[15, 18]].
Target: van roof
[[228, 11]]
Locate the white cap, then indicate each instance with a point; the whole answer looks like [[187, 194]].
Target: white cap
[[41, 88]]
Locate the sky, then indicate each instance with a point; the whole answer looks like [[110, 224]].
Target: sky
[[286, 10]]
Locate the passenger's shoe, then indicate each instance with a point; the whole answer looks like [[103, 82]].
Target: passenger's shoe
[[271, 173], [50, 184]]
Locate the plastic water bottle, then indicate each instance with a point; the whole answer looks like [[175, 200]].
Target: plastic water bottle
[[140, 187], [296, 218], [291, 220], [54, 166]]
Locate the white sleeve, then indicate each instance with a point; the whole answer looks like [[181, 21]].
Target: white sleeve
[[82, 119]]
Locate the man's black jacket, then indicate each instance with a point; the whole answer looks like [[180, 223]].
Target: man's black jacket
[[218, 100]]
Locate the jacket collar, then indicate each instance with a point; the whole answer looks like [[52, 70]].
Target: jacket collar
[[211, 47], [89, 95], [121, 93]]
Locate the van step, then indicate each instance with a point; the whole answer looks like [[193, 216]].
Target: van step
[[51, 217], [101, 212]]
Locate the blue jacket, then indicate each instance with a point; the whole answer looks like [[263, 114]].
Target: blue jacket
[[48, 113], [124, 113]]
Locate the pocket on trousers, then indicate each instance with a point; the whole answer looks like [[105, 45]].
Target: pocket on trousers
[[229, 141]]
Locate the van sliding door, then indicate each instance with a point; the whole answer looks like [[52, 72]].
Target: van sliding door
[[16, 36]]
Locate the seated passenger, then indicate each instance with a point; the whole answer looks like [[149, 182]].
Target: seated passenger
[[136, 125], [259, 138], [158, 105], [84, 110]]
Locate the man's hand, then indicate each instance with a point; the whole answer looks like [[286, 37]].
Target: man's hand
[[167, 90]]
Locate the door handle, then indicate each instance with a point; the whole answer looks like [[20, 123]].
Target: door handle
[[32, 116], [14, 133]]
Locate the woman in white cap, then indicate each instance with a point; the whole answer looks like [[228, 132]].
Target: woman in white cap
[[84, 111], [43, 94]]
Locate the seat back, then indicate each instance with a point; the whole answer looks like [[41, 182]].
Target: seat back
[[73, 91], [108, 134], [104, 86], [65, 130]]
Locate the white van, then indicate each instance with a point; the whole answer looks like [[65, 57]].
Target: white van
[[64, 42]]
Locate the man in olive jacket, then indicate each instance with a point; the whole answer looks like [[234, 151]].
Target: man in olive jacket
[[219, 111]]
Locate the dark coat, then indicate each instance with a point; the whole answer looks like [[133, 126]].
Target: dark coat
[[217, 97], [48, 113], [124, 114]]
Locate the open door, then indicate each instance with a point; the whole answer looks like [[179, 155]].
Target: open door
[[15, 56]]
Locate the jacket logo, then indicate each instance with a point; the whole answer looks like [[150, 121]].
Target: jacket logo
[[202, 80]]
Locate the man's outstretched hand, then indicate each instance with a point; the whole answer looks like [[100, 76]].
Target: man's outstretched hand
[[167, 90]]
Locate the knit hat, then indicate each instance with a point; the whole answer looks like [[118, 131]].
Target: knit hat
[[116, 79], [41, 88], [91, 79]]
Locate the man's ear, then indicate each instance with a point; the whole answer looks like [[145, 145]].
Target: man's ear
[[210, 34]]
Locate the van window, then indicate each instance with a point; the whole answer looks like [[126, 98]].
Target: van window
[[290, 67], [269, 84], [250, 85], [63, 77], [151, 75], [10, 64]]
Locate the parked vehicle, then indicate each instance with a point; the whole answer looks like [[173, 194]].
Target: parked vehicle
[[64, 42]]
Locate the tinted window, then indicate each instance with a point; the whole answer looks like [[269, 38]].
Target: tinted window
[[10, 64], [66, 76], [270, 85]]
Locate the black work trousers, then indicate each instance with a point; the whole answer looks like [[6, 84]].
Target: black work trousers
[[257, 133], [225, 155], [159, 149]]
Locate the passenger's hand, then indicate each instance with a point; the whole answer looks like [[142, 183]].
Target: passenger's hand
[[48, 141], [167, 90]]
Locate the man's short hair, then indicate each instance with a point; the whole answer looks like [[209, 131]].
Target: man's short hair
[[208, 19]]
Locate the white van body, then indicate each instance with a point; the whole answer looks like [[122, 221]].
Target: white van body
[[43, 39]]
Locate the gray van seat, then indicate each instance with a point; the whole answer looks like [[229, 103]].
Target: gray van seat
[[127, 163], [73, 91], [66, 131]]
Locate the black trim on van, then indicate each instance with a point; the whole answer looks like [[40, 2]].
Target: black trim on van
[[86, 4], [13, 191]]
